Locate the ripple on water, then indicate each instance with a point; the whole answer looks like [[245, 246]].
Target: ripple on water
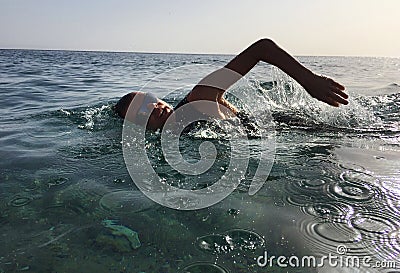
[[307, 173], [394, 241], [214, 243], [392, 191], [20, 200], [385, 246], [69, 211], [125, 201], [352, 192], [245, 239], [352, 166], [58, 173], [359, 177], [325, 237], [68, 167], [307, 191], [57, 181], [234, 239], [357, 193], [333, 212], [315, 183], [370, 224], [393, 202], [203, 267]]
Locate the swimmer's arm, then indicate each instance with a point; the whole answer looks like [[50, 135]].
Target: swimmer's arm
[[321, 88]]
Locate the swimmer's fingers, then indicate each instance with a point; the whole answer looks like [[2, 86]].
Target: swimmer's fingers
[[338, 99], [338, 88], [331, 102], [336, 84], [340, 93], [337, 93], [326, 90]]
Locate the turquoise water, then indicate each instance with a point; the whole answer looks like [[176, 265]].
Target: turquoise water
[[68, 203]]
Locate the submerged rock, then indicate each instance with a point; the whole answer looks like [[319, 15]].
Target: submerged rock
[[119, 244], [122, 238]]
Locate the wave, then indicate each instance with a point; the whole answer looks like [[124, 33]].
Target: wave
[[99, 117], [291, 106], [388, 89]]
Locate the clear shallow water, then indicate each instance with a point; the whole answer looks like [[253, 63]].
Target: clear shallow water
[[335, 178]]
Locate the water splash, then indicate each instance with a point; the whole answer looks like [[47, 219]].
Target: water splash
[[291, 105], [92, 115]]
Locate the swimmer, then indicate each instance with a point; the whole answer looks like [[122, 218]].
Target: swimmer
[[148, 107]]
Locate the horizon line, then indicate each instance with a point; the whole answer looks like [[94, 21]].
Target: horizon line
[[185, 53]]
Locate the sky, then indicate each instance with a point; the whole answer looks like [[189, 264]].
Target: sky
[[303, 27]]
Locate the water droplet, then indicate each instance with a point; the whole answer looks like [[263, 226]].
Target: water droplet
[[233, 212]]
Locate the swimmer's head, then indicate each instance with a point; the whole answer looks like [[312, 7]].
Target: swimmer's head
[[140, 106]]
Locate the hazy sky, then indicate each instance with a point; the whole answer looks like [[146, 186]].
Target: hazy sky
[[303, 27]]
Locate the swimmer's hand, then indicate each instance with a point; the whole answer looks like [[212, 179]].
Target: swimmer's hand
[[326, 90]]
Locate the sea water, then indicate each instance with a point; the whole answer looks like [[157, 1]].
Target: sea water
[[333, 188]]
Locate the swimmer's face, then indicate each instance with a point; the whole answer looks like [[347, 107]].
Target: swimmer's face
[[144, 104]]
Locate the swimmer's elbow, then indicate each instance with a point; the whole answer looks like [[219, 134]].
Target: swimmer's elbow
[[267, 43], [267, 50]]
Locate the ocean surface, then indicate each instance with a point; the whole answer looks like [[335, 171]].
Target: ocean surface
[[68, 203]]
